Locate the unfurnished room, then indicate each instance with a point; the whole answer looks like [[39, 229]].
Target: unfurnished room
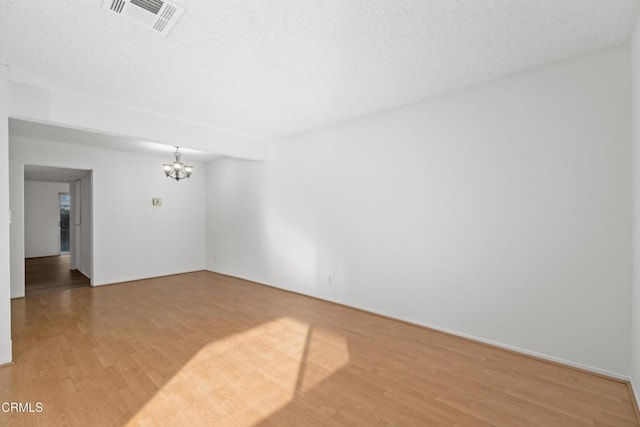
[[320, 213]]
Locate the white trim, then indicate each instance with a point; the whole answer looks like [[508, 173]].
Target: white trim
[[634, 391], [5, 353], [125, 279], [498, 344], [515, 349], [14, 296], [543, 356]]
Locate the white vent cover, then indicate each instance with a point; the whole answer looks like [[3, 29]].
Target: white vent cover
[[157, 15]]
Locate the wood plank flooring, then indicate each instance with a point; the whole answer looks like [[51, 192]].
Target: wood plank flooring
[[206, 349], [50, 274]]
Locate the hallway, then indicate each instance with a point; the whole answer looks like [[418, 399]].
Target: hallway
[[50, 274]]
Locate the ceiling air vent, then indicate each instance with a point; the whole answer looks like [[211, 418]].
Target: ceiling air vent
[[157, 15]]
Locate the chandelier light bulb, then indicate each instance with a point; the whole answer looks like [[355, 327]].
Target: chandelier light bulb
[[177, 170]]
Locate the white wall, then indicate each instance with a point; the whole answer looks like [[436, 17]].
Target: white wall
[[500, 212], [131, 238], [5, 305], [80, 230], [85, 228], [635, 299], [42, 217], [74, 225]]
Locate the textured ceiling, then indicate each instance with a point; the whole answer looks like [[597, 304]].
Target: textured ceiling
[[43, 131], [273, 68]]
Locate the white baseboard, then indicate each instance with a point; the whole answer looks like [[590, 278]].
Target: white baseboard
[[509, 347], [14, 296], [634, 390], [6, 353], [634, 397], [116, 280]]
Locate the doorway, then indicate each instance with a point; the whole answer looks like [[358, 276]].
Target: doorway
[[57, 229]]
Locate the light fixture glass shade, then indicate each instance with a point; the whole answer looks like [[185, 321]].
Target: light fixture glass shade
[[177, 170]]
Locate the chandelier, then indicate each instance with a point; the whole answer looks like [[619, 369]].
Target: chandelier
[[177, 170]]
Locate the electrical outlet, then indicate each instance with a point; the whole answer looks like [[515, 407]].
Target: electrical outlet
[[156, 201], [330, 280]]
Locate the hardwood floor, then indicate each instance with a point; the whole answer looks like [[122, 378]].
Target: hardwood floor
[[206, 349], [51, 274]]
